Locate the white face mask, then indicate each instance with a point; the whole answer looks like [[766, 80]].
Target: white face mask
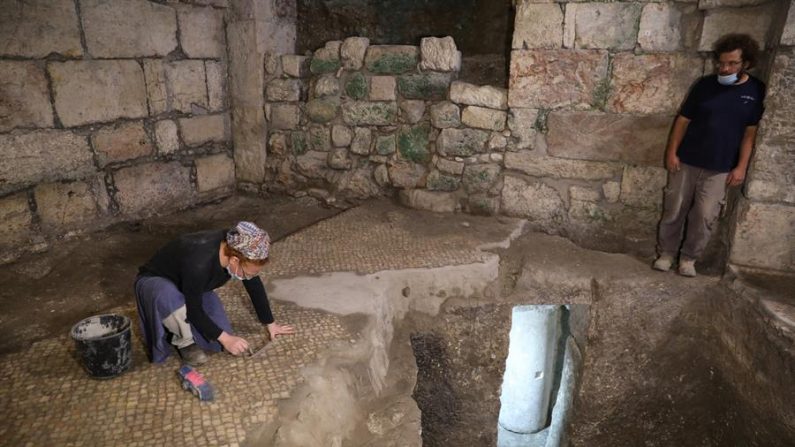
[[727, 79], [235, 275]]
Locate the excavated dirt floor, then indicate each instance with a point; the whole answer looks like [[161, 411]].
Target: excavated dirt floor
[[402, 321]]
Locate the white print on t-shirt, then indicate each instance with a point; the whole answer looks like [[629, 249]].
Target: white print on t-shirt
[[747, 98]]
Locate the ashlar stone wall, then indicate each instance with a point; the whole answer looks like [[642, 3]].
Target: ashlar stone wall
[[109, 110], [764, 234], [605, 80]]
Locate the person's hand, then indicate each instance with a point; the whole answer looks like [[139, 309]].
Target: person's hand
[[672, 163], [275, 329], [233, 344], [736, 177]]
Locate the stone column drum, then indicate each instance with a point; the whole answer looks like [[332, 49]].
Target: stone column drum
[[530, 368]]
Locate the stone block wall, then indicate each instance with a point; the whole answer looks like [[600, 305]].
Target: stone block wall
[[109, 111], [764, 234], [605, 81]]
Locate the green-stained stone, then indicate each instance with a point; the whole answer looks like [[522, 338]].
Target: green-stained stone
[[319, 138], [321, 65], [358, 113], [322, 110], [356, 87], [429, 86], [480, 178], [298, 140], [392, 63], [385, 145], [442, 182], [413, 143]]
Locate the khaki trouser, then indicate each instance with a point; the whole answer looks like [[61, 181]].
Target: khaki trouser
[[693, 196], [177, 324]]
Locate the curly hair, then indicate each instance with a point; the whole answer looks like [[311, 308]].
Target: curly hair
[[743, 42]]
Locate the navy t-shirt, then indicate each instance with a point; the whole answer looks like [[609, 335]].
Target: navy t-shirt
[[718, 117]]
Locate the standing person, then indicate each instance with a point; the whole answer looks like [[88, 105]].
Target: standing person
[[709, 149], [176, 302]]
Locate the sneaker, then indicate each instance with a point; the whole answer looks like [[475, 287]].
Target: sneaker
[[687, 267], [663, 263], [192, 355]]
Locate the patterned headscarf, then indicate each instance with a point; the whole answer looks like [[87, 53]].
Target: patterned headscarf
[[250, 240]]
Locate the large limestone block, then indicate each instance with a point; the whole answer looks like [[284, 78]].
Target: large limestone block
[[185, 85], [603, 25], [96, 91], [215, 172], [201, 32], [68, 205], [773, 162], [322, 110], [36, 28], [483, 118], [312, 164], [121, 142], [534, 200], [391, 59], [216, 85], [607, 137], [24, 96], [642, 186], [439, 202], [461, 142], [357, 113], [352, 52], [473, 95], [522, 124], [556, 78], [29, 158], [412, 110], [132, 28], [439, 54], [765, 237], [362, 138], [175, 86], [204, 129], [438, 181], [788, 35], [651, 83], [668, 26], [754, 21], [166, 136], [15, 219], [152, 187], [540, 166], [538, 26], [481, 177]]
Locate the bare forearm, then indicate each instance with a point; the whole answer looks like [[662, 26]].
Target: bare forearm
[[677, 134], [746, 147]]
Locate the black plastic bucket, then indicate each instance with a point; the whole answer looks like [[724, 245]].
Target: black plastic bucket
[[103, 343]]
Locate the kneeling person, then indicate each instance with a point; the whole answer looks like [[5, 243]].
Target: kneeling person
[[175, 294]]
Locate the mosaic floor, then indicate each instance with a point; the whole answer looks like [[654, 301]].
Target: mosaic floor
[[48, 400]]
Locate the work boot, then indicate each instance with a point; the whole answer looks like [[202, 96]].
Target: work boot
[[192, 355], [663, 263], [687, 267]]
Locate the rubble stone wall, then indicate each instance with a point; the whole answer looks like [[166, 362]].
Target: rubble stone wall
[[109, 111]]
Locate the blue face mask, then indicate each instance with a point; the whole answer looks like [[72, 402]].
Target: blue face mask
[[727, 79], [233, 274]]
